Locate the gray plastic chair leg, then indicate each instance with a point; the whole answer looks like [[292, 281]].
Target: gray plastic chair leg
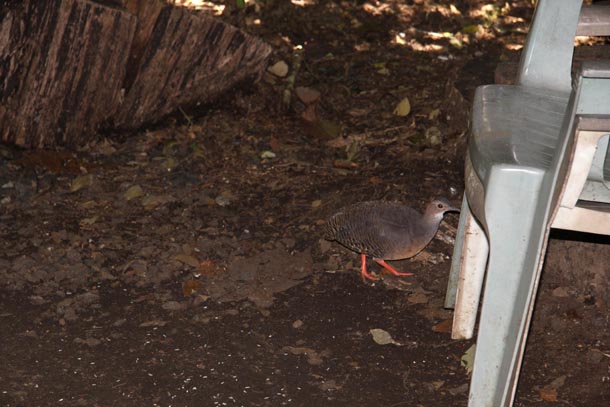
[[510, 286], [454, 273], [470, 267]]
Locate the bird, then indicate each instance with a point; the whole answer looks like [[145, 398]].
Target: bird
[[386, 230]]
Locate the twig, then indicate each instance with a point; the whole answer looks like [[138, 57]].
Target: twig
[[297, 58]]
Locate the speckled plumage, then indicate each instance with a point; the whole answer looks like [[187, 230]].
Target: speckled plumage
[[386, 230]]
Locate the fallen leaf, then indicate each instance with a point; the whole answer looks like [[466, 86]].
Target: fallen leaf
[[173, 306], [356, 112], [443, 326], [329, 385], [403, 108], [458, 390], [153, 323], [352, 150], [561, 292], [329, 128], [325, 245], [438, 384], [88, 205], [191, 287], [279, 69], [152, 201], [382, 337], [344, 164], [550, 391], [434, 114], [313, 357], [268, 154], [433, 136], [207, 267], [169, 164], [197, 151], [418, 298], [467, 359], [381, 68], [81, 182], [187, 259], [134, 191], [88, 221], [470, 29], [275, 144], [548, 394], [316, 203], [558, 382], [338, 142], [307, 95], [310, 114]]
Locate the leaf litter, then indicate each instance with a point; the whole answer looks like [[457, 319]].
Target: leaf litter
[[230, 279]]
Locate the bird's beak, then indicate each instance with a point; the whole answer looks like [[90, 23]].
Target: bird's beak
[[453, 209]]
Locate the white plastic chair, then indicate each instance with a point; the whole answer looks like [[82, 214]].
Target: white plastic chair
[[531, 149]]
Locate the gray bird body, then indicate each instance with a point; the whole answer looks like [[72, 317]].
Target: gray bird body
[[386, 230]]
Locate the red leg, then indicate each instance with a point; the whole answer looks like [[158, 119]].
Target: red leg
[[391, 269], [365, 274]]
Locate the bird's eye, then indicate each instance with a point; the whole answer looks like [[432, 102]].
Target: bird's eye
[[440, 206]]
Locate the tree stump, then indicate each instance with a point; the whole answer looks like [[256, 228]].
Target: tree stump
[[69, 68]]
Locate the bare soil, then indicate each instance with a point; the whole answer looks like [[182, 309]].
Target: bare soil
[[184, 265]]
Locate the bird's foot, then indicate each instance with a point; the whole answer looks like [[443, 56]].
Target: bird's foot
[[392, 269], [366, 274]]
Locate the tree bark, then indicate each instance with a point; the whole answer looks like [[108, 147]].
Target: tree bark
[[71, 67]]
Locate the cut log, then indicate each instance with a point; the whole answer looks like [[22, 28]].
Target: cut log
[[71, 67], [188, 59], [62, 66]]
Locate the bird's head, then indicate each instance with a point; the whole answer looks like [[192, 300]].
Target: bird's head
[[437, 208]]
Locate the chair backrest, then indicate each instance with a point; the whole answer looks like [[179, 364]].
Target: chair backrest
[[546, 60], [594, 103], [588, 114]]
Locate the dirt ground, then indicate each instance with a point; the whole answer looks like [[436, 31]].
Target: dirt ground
[[184, 265]]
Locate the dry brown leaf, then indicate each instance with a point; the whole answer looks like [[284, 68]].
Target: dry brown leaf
[[279, 69], [418, 298], [344, 164], [548, 394], [191, 287], [355, 112], [310, 114], [340, 142], [187, 259], [443, 326], [561, 292], [307, 95], [153, 323], [81, 182], [382, 337], [207, 267]]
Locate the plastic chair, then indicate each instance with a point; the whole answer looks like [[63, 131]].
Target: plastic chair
[[529, 146]]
